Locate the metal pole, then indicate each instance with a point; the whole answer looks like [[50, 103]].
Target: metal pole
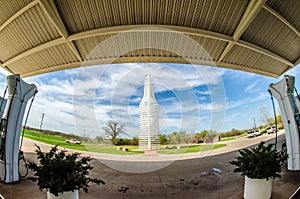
[[254, 123], [43, 115], [84, 134]]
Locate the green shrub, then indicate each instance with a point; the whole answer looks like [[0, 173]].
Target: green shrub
[[121, 141], [59, 172], [264, 131], [163, 139], [135, 141], [261, 162]]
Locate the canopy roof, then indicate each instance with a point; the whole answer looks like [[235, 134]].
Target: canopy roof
[[259, 36]]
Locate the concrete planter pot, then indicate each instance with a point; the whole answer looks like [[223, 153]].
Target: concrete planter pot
[[65, 195], [257, 188]]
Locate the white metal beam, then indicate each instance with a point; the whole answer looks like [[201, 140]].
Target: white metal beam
[[74, 50], [282, 19], [54, 16], [263, 51], [52, 69], [17, 14], [226, 51], [184, 30], [156, 28], [34, 50], [249, 15], [52, 13], [115, 30], [247, 69], [149, 59]]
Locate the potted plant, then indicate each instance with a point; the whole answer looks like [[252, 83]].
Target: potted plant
[[259, 165], [61, 174]]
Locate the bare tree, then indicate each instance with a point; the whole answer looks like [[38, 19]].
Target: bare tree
[[112, 129], [264, 116]]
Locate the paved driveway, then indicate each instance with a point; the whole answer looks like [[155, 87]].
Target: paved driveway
[[184, 178]]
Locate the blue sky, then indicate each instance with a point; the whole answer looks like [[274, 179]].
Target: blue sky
[[191, 98]]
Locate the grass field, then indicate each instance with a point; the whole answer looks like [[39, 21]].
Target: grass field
[[233, 137], [53, 140], [110, 149], [192, 149], [94, 147], [85, 146]]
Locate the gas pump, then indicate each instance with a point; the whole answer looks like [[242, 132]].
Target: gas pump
[[283, 91], [2, 105], [19, 92]]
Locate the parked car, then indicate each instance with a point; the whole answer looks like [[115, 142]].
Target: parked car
[[271, 129], [73, 141], [253, 133], [257, 133], [200, 141], [250, 134]]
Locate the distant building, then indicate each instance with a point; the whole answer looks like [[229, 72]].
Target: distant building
[[149, 118]]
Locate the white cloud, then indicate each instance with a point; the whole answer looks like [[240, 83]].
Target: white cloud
[[115, 85], [252, 88], [248, 100], [105, 92], [202, 92], [121, 80], [101, 93]]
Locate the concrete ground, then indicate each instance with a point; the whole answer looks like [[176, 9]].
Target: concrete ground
[[187, 176]]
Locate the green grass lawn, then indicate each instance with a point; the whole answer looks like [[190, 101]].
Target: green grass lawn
[[192, 149], [110, 149], [44, 136], [85, 146], [232, 138], [94, 147], [52, 140]]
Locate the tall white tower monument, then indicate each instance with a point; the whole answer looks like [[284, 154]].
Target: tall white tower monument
[[149, 114]]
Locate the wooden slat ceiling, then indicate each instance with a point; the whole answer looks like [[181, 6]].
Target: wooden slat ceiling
[[258, 36]]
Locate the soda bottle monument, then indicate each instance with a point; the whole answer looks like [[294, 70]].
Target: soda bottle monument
[[149, 118]]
